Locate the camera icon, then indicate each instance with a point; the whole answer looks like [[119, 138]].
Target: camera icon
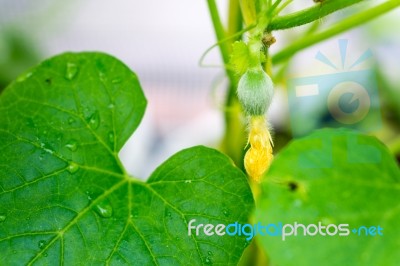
[[346, 98]]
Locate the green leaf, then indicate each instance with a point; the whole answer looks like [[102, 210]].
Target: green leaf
[[240, 57], [333, 177], [64, 195]]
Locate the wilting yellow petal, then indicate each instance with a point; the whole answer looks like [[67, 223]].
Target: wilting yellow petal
[[259, 156]]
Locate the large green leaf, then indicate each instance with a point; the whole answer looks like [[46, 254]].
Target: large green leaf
[[333, 177], [64, 195]]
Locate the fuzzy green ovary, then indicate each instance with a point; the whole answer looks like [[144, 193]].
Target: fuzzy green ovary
[[255, 92]]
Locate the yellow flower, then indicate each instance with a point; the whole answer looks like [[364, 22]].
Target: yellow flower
[[259, 156]]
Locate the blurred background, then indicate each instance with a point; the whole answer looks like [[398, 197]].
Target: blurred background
[[162, 41]]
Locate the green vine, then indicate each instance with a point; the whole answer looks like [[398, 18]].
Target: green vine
[[310, 14], [342, 26]]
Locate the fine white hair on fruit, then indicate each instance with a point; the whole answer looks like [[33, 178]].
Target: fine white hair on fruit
[[255, 91]]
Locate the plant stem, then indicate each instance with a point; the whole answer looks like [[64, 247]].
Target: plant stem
[[310, 14], [234, 137], [219, 30], [234, 18], [342, 26], [248, 11]]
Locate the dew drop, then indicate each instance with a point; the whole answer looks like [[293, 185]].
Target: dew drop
[[208, 261], [58, 136], [45, 254], [188, 181], [42, 244], [104, 210], [72, 145], [225, 212], [94, 120], [70, 120], [135, 214], [24, 77], [111, 106], [89, 195], [72, 70], [210, 253], [2, 217], [111, 137], [72, 167], [116, 81]]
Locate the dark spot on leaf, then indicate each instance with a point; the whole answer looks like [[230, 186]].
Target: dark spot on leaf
[[48, 81], [293, 186]]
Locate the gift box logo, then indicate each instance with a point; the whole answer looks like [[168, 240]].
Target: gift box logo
[[346, 98]]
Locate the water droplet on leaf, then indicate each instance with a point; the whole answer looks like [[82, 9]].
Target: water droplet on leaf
[[168, 214], [225, 212], [72, 70], [111, 106], [2, 217], [89, 195], [135, 213], [188, 181], [111, 137], [104, 210], [209, 253], [72, 167], [94, 120], [72, 145], [116, 81], [42, 244], [71, 120], [45, 254], [24, 77], [208, 261]]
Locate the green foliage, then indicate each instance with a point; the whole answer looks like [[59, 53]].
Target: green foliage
[[310, 14], [65, 197], [333, 176], [343, 25], [240, 57]]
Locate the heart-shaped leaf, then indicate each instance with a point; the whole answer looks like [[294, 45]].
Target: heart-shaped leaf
[[64, 195], [333, 177]]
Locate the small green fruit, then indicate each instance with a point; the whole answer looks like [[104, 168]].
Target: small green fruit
[[255, 92]]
